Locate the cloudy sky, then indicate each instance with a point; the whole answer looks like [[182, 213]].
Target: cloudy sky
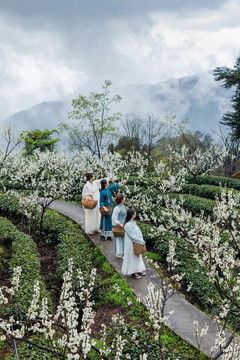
[[56, 49]]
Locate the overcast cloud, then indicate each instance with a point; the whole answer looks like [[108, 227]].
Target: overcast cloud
[[56, 49]]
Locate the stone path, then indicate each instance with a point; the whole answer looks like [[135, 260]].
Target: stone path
[[181, 322]]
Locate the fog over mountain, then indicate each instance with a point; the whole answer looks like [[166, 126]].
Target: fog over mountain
[[198, 98]]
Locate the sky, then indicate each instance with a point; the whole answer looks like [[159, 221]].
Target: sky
[[57, 49]]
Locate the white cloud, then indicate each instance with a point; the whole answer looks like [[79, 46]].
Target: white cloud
[[176, 46], [33, 69], [48, 55]]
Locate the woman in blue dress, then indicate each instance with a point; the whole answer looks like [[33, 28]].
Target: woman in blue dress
[[132, 264], [118, 218], [106, 200]]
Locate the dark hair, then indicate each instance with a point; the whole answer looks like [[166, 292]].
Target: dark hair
[[118, 199], [89, 175], [130, 213], [103, 183]]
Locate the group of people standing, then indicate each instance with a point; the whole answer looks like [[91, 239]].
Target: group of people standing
[[100, 191]]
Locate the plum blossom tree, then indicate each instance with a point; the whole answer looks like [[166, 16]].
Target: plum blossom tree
[[68, 331], [8, 147], [48, 176], [215, 245], [199, 162]]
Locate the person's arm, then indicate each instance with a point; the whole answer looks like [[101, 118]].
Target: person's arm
[[114, 187], [115, 221], [98, 181], [123, 182], [131, 232]]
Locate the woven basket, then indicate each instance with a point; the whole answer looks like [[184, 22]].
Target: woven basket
[[118, 231], [139, 249], [89, 203], [103, 212]]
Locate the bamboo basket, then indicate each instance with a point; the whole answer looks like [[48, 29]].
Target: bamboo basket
[[139, 249], [118, 231], [106, 213], [89, 203]]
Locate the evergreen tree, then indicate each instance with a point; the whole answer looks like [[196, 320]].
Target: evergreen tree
[[37, 139], [231, 77]]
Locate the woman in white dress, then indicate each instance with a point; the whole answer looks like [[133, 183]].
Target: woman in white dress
[[91, 190], [132, 264], [118, 218]]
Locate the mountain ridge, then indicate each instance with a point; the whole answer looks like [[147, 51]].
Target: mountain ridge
[[198, 98]]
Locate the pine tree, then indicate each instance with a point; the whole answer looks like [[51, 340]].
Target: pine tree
[[231, 77]]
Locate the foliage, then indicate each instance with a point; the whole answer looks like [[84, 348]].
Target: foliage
[[7, 149], [201, 161], [214, 180], [196, 205], [25, 255], [31, 352], [37, 139], [230, 78], [118, 290], [95, 127], [205, 191]]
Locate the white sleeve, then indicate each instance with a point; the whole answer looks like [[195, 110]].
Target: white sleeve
[[98, 182], [116, 211], [85, 191]]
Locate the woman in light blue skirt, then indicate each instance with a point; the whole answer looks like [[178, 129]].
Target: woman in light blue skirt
[[118, 218]]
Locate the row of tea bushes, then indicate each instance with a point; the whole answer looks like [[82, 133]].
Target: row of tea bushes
[[214, 180], [71, 242], [202, 289], [206, 191], [57, 230], [24, 254], [192, 203]]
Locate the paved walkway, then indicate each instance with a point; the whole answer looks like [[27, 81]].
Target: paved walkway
[[181, 322]]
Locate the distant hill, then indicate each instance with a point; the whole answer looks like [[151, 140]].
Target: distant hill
[[41, 116], [198, 98]]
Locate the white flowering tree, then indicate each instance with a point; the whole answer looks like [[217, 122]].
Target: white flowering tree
[[150, 193], [47, 176], [8, 146], [216, 247], [198, 162], [68, 332]]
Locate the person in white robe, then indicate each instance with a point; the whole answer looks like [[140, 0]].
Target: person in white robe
[[118, 218], [132, 264], [91, 191]]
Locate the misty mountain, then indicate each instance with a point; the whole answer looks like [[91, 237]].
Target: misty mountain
[[199, 98], [46, 115]]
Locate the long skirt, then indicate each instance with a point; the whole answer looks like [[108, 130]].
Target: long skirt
[[92, 220], [131, 263], [119, 246], [106, 226]]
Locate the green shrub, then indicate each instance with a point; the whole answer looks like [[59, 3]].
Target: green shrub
[[31, 352], [71, 243], [108, 268], [118, 297], [196, 204], [11, 206], [215, 180], [24, 254], [205, 191]]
